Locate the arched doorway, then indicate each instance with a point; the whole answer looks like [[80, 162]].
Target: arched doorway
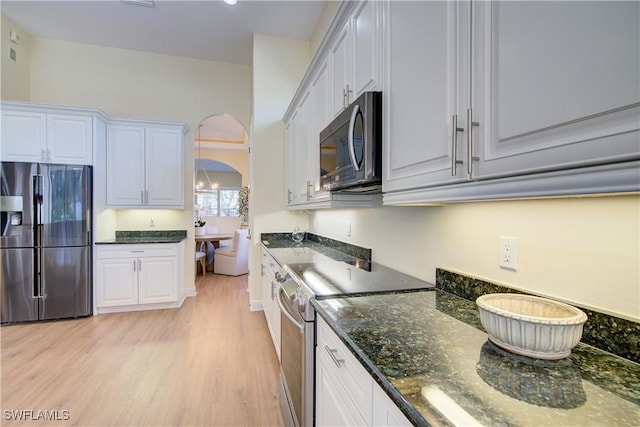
[[221, 171]]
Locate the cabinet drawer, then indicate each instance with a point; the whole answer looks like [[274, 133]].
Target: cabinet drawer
[[141, 251], [356, 381]]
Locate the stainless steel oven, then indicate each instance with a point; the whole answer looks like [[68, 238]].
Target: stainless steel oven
[[297, 352]]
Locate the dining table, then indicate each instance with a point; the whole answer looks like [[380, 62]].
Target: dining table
[[215, 239]]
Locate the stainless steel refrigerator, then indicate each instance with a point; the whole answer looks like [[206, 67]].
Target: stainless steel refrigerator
[[46, 242]]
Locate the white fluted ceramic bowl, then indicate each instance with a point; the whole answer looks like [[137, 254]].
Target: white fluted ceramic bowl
[[531, 326]]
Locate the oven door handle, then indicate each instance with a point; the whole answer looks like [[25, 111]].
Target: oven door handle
[[284, 310]]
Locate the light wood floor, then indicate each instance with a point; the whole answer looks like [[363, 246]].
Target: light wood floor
[[209, 363]]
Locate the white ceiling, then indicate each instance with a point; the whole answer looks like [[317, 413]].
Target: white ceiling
[[205, 29]]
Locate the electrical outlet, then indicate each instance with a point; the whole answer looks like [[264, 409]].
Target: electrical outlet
[[348, 229], [508, 252], [152, 222]]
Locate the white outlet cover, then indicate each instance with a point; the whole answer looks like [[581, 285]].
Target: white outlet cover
[[508, 252]]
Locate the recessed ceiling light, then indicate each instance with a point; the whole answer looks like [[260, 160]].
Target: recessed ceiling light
[[147, 3], [232, 2]]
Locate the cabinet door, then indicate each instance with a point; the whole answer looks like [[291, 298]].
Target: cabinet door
[[164, 168], [305, 154], [556, 85], [353, 383], [333, 405], [269, 303], [125, 165], [385, 412], [421, 95], [23, 136], [367, 52], [69, 139], [290, 156], [339, 55], [320, 118], [117, 282], [158, 280]]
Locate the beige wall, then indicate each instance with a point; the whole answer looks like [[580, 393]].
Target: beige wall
[[323, 24], [14, 76], [278, 67], [581, 250], [132, 84]]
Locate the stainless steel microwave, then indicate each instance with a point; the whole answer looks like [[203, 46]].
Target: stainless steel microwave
[[351, 148]]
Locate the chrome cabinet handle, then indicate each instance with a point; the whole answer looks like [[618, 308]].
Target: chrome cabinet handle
[[141, 197], [332, 353], [134, 265], [345, 96], [470, 156], [139, 265], [454, 145], [288, 197]]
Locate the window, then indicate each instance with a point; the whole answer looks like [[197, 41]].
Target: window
[[220, 202]]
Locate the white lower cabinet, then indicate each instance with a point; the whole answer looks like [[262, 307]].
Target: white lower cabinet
[[346, 394], [139, 277], [385, 412], [270, 306]]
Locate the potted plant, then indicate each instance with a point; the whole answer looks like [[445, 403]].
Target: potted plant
[[199, 223], [243, 206]]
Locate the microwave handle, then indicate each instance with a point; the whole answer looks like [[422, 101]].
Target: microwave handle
[[352, 122]]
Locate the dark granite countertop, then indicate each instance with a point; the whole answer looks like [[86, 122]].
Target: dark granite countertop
[[145, 237], [429, 352], [337, 273]]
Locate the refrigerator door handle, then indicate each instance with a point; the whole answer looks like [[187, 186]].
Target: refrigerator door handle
[[37, 282], [37, 211]]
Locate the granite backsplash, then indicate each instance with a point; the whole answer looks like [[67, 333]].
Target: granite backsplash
[[285, 239], [609, 333]]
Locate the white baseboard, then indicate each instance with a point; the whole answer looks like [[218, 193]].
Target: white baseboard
[[255, 305]]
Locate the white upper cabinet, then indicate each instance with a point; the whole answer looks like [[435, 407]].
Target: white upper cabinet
[[348, 62], [320, 117], [47, 134], [557, 85], [517, 99], [24, 136], [145, 164], [69, 139], [125, 165], [356, 55], [367, 47], [339, 58], [425, 95], [164, 169]]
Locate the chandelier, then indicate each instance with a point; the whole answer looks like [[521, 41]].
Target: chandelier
[[200, 172]]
